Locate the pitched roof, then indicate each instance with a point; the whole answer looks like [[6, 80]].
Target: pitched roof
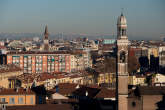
[[80, 90], [106, 93], [65, 88], [29, 78], [20, 91], [92, 92], [152, 90], [147, 90]]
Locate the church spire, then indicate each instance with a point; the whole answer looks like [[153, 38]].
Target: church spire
[[46, 39], [46, 34]]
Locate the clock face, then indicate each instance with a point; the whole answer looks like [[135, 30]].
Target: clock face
[[122, 57]]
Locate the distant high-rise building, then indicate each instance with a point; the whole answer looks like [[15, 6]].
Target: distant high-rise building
[[46, 39], [122, 64]]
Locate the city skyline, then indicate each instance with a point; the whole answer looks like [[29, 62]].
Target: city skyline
[[146, 18], [78, 58]]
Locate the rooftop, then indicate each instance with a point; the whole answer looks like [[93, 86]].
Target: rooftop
[[65, 88], [48, 52], [19, 91], [9, 68], [147, 90], [42, 107], [29, 78], [80, 90]]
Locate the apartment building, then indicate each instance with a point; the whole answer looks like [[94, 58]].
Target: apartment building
[[81, 60], [39, 62], [58, 61]]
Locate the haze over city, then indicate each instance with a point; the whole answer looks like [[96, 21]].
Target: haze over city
[[82, 55], [91, 17]]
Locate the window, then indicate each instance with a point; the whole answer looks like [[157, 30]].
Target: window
[[11, 101], [31, 99], [2, 99], [133, 104], [122, 57], [20, 100]]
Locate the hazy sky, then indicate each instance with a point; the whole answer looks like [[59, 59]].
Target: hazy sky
[[146, 18]]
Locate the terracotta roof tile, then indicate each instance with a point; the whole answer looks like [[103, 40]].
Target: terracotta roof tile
[[65, 88], [29, 78], [106, 93], [14, 91], [92, 92]]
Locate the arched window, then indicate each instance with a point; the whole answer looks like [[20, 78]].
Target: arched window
[[133, 104], [122, 57], [123, 32]]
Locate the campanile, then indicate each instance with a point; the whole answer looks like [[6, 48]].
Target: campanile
[[122, 64]]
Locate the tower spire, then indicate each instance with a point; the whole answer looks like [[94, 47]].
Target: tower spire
[[46, 33], [46, 39]]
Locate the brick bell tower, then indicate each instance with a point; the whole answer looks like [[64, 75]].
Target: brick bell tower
[[122, 64]]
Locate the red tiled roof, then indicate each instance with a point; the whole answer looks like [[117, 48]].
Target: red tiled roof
[[106, 93], [29, 78], [92, 92], [65, 88], [15, 92]]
